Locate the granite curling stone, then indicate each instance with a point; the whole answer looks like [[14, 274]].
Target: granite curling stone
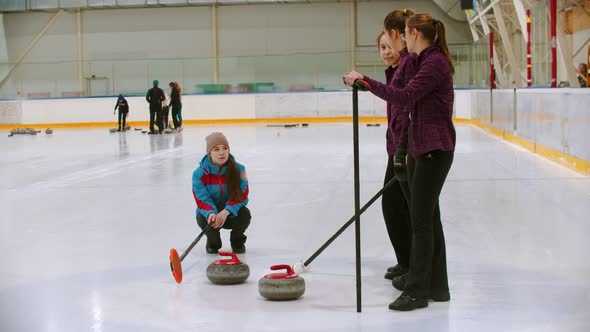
[[281, 286], [228, 271]]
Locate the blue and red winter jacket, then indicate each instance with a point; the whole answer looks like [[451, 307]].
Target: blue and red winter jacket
[[210, 188]]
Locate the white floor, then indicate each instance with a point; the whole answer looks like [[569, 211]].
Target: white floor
[[88, 218]]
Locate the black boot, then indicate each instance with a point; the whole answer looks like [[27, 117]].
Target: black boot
[[213, 241], [211, 250], [395, 271], [239, 249], [238, 240], [399, 282], [406, 303]]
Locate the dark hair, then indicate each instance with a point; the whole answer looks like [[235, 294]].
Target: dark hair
[[175, 85], [232, 173], [433, 30], [396, 20], [179, 89]]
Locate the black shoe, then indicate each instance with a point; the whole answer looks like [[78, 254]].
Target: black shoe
[[395, 271], [119, 129], [399, 282], [440, 295], [213, 243], [406, 303], [211, 250], [239, 249]]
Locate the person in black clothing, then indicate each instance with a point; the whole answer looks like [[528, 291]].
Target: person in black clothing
[[395, 202], [155, 96], [394, 207], [176, 104], [123, 110]]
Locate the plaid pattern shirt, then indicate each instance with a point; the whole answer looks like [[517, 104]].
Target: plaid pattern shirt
[[428, 97]]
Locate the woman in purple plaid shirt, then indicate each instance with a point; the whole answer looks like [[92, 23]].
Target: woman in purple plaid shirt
[[394, 204], [428, 97]]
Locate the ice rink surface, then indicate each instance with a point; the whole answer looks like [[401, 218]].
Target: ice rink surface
[[88, 219]]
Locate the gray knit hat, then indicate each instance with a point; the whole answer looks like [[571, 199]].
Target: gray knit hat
[[215, 138]]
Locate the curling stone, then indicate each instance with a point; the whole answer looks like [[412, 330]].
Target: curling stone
[[113, 130], [33, 132], [281, 286], [305, 124], [137, 129], [48, 131], [127, 128], [168, 131], [228, 271]]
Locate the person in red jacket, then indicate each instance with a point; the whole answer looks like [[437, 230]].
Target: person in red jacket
[[220, 189], [428, 97]]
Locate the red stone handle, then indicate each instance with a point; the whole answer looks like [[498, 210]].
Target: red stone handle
[[290, 272], [234, 259]]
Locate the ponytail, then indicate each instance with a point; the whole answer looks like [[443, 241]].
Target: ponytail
[[433, 30], [234, 189], [179, 90], [396, 20], [440, 41]]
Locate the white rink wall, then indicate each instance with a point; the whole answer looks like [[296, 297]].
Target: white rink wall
[[469, 104], [194, 107], [207, 107]]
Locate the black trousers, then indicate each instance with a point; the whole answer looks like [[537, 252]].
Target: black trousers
[[177, 116], [396, 214], [238, 225], [156, 117], [428, 261], [122, 118], [165, 112]]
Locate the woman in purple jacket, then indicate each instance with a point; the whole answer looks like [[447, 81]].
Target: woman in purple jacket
[[394, 203], [429, 99]]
